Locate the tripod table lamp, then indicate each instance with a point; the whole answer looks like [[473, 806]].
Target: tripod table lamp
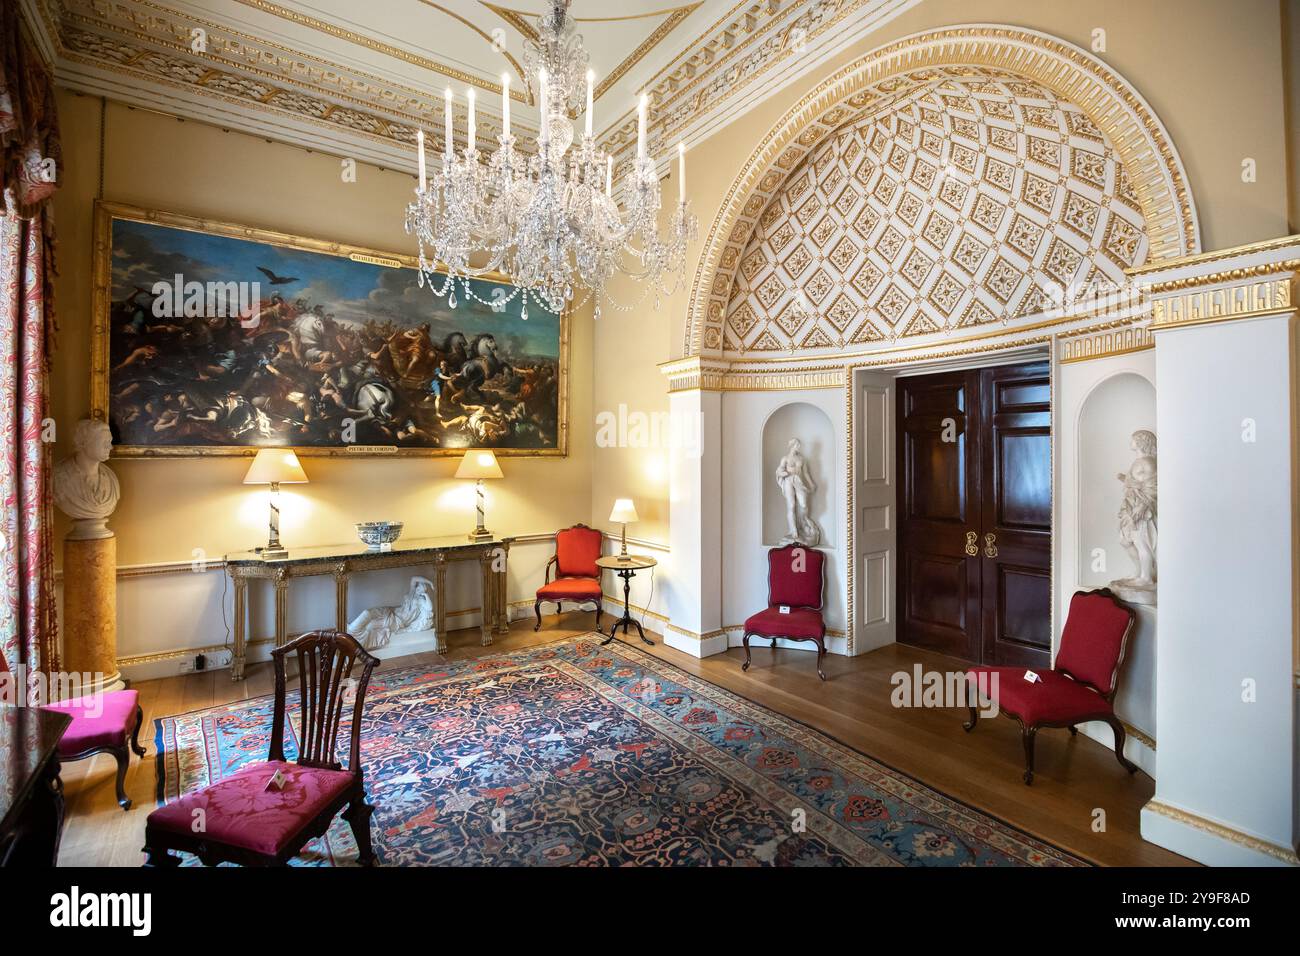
[[624, 513], [275, 467]]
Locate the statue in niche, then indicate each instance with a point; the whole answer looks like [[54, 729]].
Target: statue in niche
[[85, 489], [375, 627], [797, 486], [1137, 521]]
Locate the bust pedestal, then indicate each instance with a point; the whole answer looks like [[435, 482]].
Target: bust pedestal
[[90, 610]]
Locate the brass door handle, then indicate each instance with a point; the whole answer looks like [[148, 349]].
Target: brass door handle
[[990, 545], [972, 548]]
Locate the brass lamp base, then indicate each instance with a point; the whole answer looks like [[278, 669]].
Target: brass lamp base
[[480, 534], [272, 554]]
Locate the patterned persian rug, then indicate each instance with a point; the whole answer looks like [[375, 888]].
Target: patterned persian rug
[[572, 753]]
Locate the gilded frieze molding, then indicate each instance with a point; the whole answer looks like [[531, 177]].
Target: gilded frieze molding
[[1072, 75], [1096, 345]]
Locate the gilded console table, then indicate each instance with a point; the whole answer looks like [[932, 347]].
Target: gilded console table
[[342, 561]]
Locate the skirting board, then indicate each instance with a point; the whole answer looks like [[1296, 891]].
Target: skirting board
[[1134, 749], [696, 647], [1207, 841], [834, 645]]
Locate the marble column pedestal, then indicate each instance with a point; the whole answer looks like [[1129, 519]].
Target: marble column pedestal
[[90, 612]]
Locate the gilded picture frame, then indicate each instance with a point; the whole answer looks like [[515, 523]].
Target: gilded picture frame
[[550, 436]]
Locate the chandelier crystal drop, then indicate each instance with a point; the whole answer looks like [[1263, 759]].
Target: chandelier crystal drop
[[548, 220]]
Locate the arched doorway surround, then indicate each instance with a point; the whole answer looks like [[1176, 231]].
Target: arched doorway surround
[[1154, 174]]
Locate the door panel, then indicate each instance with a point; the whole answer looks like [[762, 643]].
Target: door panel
[[974, 453], [1017, 511], [876, 507], [939, 588]]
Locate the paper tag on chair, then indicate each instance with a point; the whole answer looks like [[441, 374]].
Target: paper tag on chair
[[276, 782], [1032, 677], [784, 608]]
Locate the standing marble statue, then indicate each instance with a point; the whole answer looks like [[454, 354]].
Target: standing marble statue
[[797, 486], [86, 490], [1137, 521], [375, 627]]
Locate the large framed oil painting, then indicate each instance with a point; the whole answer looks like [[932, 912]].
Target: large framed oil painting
[[215, 338]]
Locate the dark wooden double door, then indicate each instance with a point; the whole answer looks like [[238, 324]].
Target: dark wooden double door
[[975, 532]]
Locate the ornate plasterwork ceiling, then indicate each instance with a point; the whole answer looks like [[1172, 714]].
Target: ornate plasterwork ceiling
[[953, 200], [358, 79]]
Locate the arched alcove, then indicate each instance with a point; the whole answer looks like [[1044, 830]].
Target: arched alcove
[[1114, 409], [812, 427], [1044, 201]]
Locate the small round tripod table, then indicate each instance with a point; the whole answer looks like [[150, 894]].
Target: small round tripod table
[[625, 566]]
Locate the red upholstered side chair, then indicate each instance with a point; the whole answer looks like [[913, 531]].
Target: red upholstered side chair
[[1080, 687], [794, 599], [577, 578], [101, 723], [246, 819]]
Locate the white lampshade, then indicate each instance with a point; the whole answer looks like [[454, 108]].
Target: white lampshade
[[624, 512], [275, 466], [479, 463]]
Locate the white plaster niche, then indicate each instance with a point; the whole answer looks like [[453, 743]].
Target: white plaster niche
[[813, 428], [1117, 407]]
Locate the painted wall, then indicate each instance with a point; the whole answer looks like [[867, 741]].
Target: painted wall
[[1099, 404], [1225, 692], [173, 510], [1216, 118]]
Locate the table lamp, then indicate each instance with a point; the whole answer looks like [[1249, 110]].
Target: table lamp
[[274, 467], [479, 464], [624, 512]]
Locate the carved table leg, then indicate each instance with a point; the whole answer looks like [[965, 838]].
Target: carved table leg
[[341, 598], [489, 597], [502, 579], [281, 609], [440, 595], [241, 629]]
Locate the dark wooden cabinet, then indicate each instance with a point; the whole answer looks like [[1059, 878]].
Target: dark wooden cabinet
[[974, 459]]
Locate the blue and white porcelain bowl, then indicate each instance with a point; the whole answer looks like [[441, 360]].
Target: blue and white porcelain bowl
[[379, 534]]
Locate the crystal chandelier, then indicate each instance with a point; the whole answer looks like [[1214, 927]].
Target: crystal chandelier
[[550, 220]]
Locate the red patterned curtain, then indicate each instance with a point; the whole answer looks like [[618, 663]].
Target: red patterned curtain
[[29, 172]]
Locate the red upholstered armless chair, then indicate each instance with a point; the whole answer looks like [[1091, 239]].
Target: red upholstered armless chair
[[577, 578], [108, 722], [1080, 687], [247, 820], [794, 582]]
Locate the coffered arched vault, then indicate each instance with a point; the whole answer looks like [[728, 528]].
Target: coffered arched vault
[[1111, 192]]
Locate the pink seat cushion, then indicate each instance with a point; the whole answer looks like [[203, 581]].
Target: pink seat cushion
[[1093, 639], [801, 623], [241, 812], [1054, 699], [570, 589], [100, 720]]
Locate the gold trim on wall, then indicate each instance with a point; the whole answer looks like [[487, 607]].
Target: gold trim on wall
[[101, 292], [1223, 831], [1085, 348]]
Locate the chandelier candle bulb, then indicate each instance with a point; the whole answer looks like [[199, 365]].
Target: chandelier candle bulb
[[591, 82], [419, 147], [505, 104], [469, 96], [640, 126], [446, 120]]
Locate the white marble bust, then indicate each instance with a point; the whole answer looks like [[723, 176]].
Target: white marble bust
[[85, 489]]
